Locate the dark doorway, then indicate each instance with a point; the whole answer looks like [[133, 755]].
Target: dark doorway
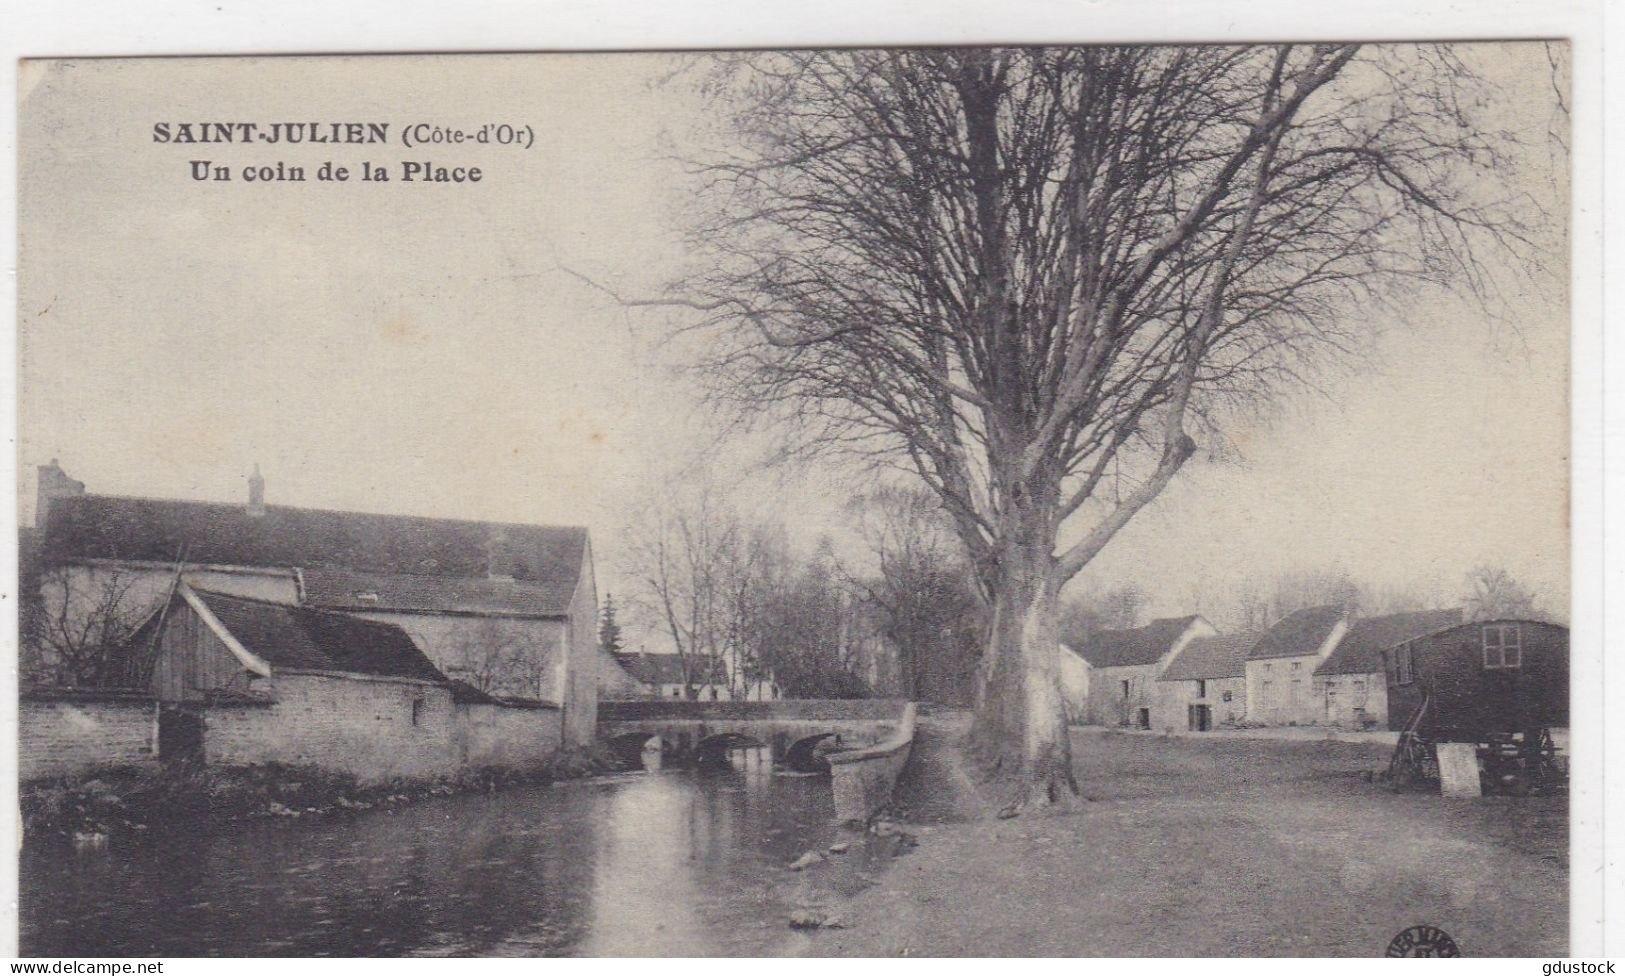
[[180, 734], [1201, 718], [1142, 718]]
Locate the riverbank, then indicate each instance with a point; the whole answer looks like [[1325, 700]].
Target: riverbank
[[106, 804], [1218, 847]]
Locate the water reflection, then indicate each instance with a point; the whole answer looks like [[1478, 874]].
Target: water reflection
[[669, 863]]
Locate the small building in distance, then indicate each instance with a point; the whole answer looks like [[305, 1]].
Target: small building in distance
[[1508, 675], [1281, 665], [1123, 666], [1349, 685], [615, 682], [1205, 685], [661, 676]]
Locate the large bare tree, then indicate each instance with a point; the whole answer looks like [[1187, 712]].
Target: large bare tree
[[1035, 276]]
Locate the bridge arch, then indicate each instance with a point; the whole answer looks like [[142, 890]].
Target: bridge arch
[[715, 748], [806, 756], [629, 747]]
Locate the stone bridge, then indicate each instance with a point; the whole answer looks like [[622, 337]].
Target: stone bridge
[[863, 742]]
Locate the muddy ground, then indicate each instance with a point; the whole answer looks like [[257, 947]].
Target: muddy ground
[[1211, 848]]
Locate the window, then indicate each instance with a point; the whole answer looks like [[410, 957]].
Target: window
[[677, 692], [1201, 688], [1125, 691], [713, 694], [1296, 665], [1403, 674], [1503, 646], [417, 711], [1229, 695]]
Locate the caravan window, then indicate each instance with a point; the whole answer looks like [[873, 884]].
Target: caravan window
[[1503, 646], [1403, 675]]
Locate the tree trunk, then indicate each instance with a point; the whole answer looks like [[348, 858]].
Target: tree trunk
[[1020, 727]]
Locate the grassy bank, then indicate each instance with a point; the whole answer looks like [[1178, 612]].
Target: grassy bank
[[122, 800]]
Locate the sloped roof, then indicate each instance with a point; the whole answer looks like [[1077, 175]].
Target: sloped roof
[[666, 669], [1298, 634], [1211, 658], [464, 693], [1360, 650], [345, 590], [315, 640], [548, 559], [1123, 648]]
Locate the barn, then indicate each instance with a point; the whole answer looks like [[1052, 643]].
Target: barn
[[242, 681], [1124, 666], [507, 608], [1205, 685]]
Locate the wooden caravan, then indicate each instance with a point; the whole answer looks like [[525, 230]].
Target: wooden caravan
[[1501, 685]]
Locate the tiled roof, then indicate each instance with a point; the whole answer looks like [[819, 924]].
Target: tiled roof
[[314, 640], [344, 590], [1211, 658], [1298, 634], [346, 546], [667, 669], [1122, 648], [1360, 650]]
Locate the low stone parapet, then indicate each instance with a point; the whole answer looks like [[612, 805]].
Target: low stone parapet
[[864, 778]]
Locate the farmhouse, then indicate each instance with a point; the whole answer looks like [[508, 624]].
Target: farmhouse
[[1281, 664], [1349, 685], [1205, 685], [1124, 666], [508, 609]]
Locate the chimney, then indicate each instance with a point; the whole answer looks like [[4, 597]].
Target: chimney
[[54, 483], [498, 558], [256, 493]]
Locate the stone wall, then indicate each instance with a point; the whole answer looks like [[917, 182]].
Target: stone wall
[[1171, 712], [580, 701], [373, 728], [863, 779], [1107, 703], [1353, 701], [1073, 675], [61, 733], [514, 737], [514, 656]]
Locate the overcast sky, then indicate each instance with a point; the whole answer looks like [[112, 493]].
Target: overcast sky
[[416, 348]]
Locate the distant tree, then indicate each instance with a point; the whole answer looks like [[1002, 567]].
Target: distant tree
[[1493, 593], [1090, 609], [926, 610], [76, 625], [499, 658], [800, 630], [690, 561], [609, 631]]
